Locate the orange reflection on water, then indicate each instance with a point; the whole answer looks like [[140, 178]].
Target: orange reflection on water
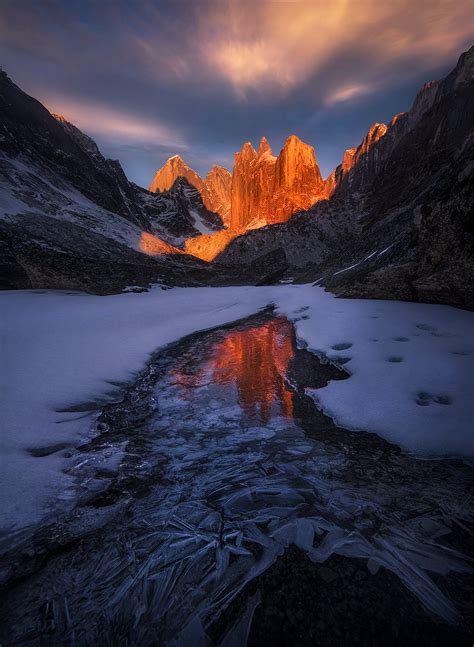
[[256, 361]]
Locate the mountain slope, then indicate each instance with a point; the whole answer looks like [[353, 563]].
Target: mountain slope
[[69, 218], [216, 192]]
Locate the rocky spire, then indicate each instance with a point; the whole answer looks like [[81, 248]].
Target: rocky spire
[[264, 147], [173, 168], [244, 162], [216, 192], [268, 189]]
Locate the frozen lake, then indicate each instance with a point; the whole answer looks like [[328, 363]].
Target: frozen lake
[[216, 466]]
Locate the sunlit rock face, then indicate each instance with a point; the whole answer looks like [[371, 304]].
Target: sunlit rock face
[[242, 180], [268, 189], [174, 168], [154, 246], [298, 183], [216, 192], [209, 246]]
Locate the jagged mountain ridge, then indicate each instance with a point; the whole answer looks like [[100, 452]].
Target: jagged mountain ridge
[[394, 219], [267, 189], [398, 223], [262, 189]]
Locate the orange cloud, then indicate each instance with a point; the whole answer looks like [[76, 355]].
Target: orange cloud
[[278, 45]]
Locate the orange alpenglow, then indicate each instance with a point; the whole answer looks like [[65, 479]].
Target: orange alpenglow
[[256, 361], [154, 246]]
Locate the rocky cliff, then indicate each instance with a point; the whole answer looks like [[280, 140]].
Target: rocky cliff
[[268, 189], [174, 168], [216, 192]]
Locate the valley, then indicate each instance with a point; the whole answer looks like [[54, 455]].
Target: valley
[[236, 393]]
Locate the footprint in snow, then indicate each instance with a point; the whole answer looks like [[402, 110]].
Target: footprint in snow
[[342, 346], [423, 326], [423, 399]]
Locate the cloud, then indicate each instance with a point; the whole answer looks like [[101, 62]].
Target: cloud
[[200, 78], [346, 93], [275, 46], [100, 120]]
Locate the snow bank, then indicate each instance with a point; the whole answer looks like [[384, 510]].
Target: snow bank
[[411, 367], [62, 350]]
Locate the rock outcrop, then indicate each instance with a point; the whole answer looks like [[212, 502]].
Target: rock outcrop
[[174, 168], [216, 192], [298, 183], [268, 189]]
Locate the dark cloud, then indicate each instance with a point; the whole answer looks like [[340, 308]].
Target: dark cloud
[[151, 79]]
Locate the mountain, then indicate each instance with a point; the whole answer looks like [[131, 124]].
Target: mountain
[[69, 218], [262, 189], [174, 168], [393, 220], [398, 221], [214, 191], [268, 189], [265, 189]]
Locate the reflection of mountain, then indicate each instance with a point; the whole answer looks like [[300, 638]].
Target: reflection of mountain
[[256, 361]]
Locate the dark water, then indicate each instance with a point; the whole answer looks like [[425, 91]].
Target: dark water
[[233, 485]]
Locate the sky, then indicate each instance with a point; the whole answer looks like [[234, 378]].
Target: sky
[[149, 79]]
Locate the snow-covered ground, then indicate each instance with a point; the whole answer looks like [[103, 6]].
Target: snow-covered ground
[[26, 190], [199, 224], [411, 366]]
